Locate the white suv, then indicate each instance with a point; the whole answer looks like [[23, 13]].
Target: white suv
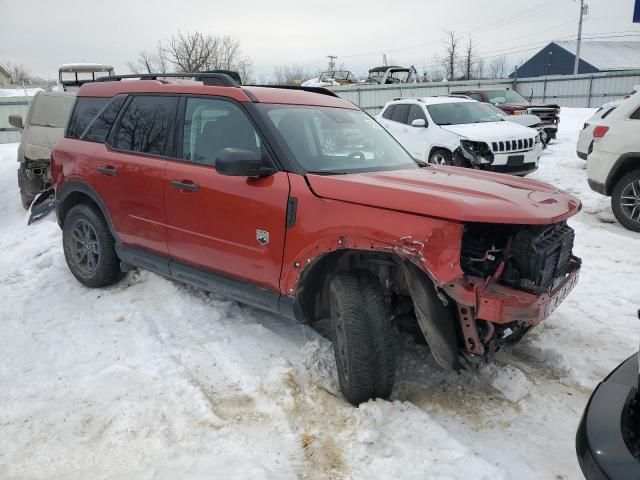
[[613, 167], [461, 132]]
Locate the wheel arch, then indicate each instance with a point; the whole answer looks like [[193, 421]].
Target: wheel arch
[[73, 193], [625, 164]]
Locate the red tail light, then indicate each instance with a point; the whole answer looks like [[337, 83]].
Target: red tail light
[[600, 131]]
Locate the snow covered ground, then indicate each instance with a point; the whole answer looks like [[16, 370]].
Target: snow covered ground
[[151, 379]]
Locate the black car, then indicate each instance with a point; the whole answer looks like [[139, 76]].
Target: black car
[[608, 439]]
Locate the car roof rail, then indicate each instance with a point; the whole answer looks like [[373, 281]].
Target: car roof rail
[[409, 98], [210, 79], [320, 90]]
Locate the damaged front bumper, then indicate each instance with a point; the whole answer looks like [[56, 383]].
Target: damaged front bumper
[[484, 304]]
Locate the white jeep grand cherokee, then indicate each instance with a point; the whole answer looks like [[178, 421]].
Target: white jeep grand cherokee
[[613, 166], [461, 132]]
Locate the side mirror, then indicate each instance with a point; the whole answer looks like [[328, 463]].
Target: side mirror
[[237, 162], [15, 120], [419, 122]]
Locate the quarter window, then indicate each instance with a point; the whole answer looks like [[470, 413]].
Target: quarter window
[[476, 96], [85, 110], [400, 113], [145, 125], [212, 125], [99, 129]]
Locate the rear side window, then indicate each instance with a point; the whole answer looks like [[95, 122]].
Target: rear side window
[[99, 129], [85, 111], [400, 113], [144, 126], [635, 115], [476, 96], [388, 112]]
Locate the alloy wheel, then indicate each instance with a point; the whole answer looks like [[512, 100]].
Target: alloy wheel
[[85, 249], [630, 201]]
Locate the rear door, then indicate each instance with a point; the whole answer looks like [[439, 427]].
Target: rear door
[[416, 137], [130, 170], [230, 225], [398, 122]]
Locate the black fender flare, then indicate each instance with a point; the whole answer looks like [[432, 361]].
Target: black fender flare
[[74, 186], [620, 168]]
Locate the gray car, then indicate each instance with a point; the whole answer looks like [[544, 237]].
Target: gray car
[[44, 125]]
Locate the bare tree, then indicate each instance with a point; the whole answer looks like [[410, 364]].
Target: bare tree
[[450, 60], [290, 74], [498, 67], [21, 75], [150, 61], [468, 62], [194, 52]]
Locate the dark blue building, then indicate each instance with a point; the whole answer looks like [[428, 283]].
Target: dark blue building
[[558, 58]]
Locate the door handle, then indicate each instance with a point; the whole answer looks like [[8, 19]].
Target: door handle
[[108, 170], [185, 185]]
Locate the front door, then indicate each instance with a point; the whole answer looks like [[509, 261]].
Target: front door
[[230, 225]]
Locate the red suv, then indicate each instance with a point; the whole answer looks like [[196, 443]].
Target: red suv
[[297, 202]]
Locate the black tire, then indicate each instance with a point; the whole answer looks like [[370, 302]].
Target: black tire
[[26, 198], [440, 156], [625, 201], [363, 340], [86, 236]]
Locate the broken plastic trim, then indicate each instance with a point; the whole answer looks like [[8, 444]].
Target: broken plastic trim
[[44, 203]]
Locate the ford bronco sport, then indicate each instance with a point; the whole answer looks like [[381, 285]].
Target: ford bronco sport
[[297, 202]]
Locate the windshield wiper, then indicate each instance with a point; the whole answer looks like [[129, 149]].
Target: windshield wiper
[[325, 172]]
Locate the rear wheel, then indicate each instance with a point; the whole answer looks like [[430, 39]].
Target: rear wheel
[[363, 340], [440, 157], [89, 247], [625, 200]]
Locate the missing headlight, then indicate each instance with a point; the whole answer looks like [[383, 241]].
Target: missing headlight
[[478, 153]]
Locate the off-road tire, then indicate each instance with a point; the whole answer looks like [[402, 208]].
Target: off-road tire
[[440, 156], [107, 266], [624, 186], [363, 340], [26, 198]]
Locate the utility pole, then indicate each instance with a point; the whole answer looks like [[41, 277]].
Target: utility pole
[[332, 62], [583, 11]]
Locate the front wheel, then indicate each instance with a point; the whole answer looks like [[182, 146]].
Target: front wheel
[[625, 201], [440, 157], [89, 247], [363, 340]]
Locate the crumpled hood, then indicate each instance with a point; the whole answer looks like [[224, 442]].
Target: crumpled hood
[[491, 131], [453, 193]]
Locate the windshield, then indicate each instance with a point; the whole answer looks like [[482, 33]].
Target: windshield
[[334, 140], [461, 113], [51, 111], [495, 109], [505, 96]]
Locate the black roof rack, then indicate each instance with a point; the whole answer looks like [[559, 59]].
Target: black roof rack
[[320, 90], [211, 79]]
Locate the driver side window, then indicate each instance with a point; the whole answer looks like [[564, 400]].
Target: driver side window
[[212, 125]]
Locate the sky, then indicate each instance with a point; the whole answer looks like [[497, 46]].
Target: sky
[[45, 34]]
